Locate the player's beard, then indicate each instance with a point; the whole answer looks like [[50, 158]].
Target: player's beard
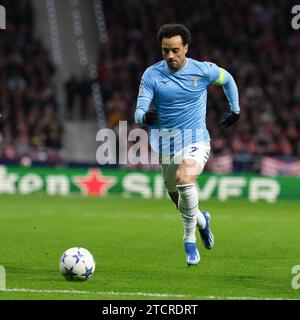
[[174, 65]]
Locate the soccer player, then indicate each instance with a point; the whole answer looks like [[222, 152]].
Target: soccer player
[[172, 99]]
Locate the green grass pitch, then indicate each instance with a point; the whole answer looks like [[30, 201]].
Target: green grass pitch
[[138, 248]]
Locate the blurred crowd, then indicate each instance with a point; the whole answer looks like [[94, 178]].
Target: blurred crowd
[[78, 98], [253, 40], [29, 126]]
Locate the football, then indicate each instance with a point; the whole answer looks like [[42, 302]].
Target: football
[[77, 264]]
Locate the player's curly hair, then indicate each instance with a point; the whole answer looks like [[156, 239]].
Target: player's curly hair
[[170, 30]]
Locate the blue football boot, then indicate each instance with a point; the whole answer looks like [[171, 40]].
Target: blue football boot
[[206, 235], [192, 254]]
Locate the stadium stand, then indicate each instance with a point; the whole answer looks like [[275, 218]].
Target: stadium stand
[[253, 40], [30, 130]]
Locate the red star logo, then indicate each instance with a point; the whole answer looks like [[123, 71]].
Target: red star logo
[[94, 184]]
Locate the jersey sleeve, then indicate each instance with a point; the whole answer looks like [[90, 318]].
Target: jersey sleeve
[[145, 96], [212, 72], [146, 89], [221, 77]]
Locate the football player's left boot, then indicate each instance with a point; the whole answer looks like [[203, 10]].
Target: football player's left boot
[[192, 253], [206, 235]]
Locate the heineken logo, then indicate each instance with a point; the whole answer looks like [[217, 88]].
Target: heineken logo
[[94, 183], [101, 182]]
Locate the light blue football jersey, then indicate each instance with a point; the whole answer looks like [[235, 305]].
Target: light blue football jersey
[[180, 100]]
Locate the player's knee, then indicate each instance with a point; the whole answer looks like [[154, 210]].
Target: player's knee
[[187, 172], [182, 179]]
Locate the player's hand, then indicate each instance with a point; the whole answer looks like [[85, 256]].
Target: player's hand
[[228, 119], [150, 117]]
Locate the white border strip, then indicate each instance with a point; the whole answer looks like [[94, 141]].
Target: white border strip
[[145, 294]]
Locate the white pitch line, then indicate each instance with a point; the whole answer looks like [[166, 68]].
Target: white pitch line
[[145, 294], [97, 292]]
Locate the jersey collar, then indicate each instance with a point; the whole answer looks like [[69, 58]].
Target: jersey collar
[[178, 71]]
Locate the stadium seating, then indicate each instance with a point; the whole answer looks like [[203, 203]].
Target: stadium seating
[[247, 39], [29, 127]]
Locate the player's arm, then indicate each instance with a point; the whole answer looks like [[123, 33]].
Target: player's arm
[[143, 114], [221, 77]]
